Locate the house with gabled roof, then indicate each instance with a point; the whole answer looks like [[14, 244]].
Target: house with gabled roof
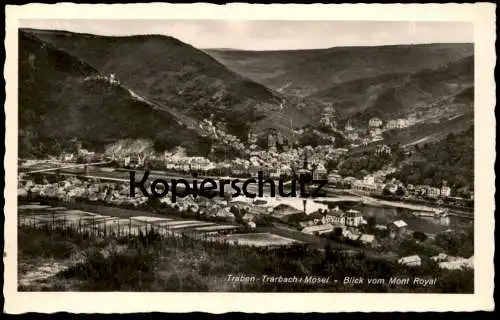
[[397, 228]]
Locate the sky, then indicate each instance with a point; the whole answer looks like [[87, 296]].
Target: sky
[[272, 35]]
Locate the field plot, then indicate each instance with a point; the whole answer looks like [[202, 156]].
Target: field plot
[[56, 208], [215, 228], [32, 207], [147, 219], [187, 224], [259, 239], [36, 215]]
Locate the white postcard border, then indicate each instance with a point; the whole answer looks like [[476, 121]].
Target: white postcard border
[[481, 15]]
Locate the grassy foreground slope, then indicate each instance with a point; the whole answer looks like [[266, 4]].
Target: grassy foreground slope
[[174, 264]]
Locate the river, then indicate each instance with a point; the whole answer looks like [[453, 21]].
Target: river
[[383, 214]]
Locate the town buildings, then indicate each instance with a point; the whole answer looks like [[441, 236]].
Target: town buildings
[[391, 124], [375, 123], [328, 118], [348, 127], [453, 263], [401, 123], [433, 192], [350, 218], [397, 228], [445, 191], [353, 218], [383, 150], [368, 185], [320, 172], [397, 124]]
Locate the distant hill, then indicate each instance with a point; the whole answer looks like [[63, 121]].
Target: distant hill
[[434, 82], [450, 160], [165, 86], [99, 89], [446, 91], [304, 72], [263, 66]]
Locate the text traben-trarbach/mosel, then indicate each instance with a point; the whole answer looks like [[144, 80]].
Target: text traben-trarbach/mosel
[[210, 188]]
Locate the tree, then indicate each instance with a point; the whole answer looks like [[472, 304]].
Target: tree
[[400, 191], [238, 125], [332, 164], [371, 222], [386, 192], [428, 181], [328, 251], [337, 232], [420, 236]]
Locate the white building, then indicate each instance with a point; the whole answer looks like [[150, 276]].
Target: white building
[[351, 235], [353, 218], [375, 123], [458, 264], [397, 228], [334, 218], [401, 123], [445, 191], [320, 173], [383, 150], [318, 229], [433, 192], [360, 185], [368, 239], [251, 225], [411, 261], [391, 124], [68, 157], [348, 127], [370, 180], [397, 124]]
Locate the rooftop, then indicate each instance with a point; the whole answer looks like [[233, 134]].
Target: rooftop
[[367, 238], [400, 223], [320, 227], [409, 259]]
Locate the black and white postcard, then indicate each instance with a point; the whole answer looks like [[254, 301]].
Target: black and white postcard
[[159, 152]]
